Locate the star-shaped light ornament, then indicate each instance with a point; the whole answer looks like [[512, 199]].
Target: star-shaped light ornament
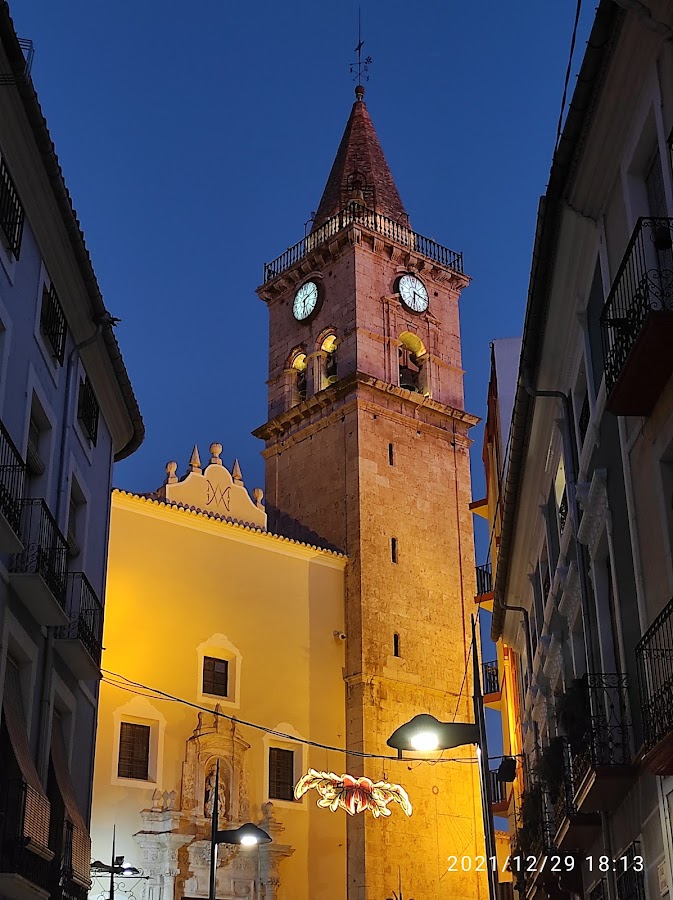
[[355, 795]]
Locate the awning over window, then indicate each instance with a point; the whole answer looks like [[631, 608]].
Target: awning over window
[[77, 836], [36, 809]]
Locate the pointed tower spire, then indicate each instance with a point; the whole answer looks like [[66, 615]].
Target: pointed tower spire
[[236, 473], [360, 171]]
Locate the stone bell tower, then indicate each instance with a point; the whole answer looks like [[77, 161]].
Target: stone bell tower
[[367, 451]]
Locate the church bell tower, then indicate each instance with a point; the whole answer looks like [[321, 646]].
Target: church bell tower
[[367, 452]]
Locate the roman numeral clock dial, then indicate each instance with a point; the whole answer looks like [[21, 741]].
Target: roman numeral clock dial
[[305, 301], [413, 293]]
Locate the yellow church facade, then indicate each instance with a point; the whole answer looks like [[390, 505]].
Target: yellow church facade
[[204, 604]]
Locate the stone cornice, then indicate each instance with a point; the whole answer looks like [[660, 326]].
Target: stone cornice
[[328, 396]]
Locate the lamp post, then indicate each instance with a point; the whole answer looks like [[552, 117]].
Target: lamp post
[[425, 733], [247, 835], [116, 868]]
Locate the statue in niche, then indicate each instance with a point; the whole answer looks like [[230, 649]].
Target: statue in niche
[[209, 797]]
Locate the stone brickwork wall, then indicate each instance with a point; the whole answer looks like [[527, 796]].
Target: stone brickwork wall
[[329, 466]]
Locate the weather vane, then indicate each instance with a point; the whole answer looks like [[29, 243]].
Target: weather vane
[[359, 70]]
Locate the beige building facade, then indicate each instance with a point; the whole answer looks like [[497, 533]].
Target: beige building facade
[[207, 605]]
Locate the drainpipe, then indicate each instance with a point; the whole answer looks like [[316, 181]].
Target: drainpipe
[[45, 690]]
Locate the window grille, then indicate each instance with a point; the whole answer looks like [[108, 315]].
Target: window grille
[[134, 751], [88, 410], [215, 676], [281, 774], [52, 323], [11, 211]]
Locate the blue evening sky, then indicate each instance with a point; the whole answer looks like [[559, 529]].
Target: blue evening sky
[[196, 139]]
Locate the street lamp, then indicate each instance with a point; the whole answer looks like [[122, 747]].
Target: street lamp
[[245, 836], [116, 869], [426, 733]]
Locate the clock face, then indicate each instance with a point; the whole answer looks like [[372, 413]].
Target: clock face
[[305, 301], [413, 293]]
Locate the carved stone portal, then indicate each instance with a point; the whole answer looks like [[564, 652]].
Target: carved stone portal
[[174, 843]]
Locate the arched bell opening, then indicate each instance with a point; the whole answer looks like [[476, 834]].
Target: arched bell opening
[[328, 345], [299, 368], [412, 357]]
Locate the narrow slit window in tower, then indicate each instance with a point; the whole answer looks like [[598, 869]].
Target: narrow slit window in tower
[[396, 644], [393, 549], [391, 455]]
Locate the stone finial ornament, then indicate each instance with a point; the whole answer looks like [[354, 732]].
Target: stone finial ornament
[[195, 460], [236, 473], [258, 494], [171, 469], [215, 450]]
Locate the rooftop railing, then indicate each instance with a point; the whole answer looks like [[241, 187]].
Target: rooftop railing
[[355, 213]]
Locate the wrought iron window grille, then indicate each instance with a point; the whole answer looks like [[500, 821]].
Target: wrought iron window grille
[[630, 881], [12, 480], [134, 751], [53, 324], [281, 774], [11, 211], [88, 410]]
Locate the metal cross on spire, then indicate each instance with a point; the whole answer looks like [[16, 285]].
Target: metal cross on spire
[[359, 70]]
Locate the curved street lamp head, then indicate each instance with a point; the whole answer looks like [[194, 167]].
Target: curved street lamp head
[[247, 836], [426, 733]]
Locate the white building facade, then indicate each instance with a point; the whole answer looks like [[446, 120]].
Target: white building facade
[[587, 529], [67, 411]]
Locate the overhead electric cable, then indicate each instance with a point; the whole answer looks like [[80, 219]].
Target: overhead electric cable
[[568, 71], [136, 687]]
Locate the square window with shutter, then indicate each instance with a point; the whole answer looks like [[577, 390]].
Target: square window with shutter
[[281, 774], [134, 751], [215, 676]]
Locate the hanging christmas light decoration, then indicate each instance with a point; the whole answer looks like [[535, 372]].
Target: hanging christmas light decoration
[[355, 795]]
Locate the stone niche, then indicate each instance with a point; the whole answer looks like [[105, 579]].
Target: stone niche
[[174, 842]]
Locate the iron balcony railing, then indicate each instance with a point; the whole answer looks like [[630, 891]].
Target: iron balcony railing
[[86, 616], [607, 741], [643, 284], [562, 795], [631, 874], [484, 579], [11, 211], [12, 479], [654, 658], [44, 548], [490, 679], [24, 820], [498, 788], [355, 213], [599, 891]]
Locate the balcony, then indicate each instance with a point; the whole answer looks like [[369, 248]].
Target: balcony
[[12, 478], [499, 794], [637, 321], [355, 214], [491, 683], [654, 658], [601, 757], [38, 574], [80, 642], [484, 584], [24, 834], [572, 830]]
